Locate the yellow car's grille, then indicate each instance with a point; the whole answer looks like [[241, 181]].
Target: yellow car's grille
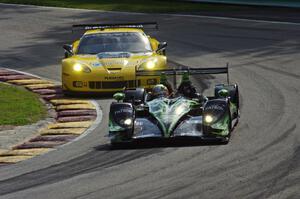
[[113, 85]]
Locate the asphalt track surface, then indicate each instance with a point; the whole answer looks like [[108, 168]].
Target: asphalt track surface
[[261, 160]]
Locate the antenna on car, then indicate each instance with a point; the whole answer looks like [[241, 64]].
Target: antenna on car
[[174, 78], [227, 66]]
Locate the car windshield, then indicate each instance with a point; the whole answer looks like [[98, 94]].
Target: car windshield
[[132, 42]]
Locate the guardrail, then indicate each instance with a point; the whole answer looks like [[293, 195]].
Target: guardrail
[[276, 3]]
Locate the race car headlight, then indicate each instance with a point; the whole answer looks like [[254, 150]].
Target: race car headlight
[[125, 123], [150, 65], [208, 119], [80, 67], [128, 121]]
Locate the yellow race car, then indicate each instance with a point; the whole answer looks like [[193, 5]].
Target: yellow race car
[[107, 56]]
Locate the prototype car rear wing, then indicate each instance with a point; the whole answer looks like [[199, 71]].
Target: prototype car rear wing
[[189, 70], [142, 25]]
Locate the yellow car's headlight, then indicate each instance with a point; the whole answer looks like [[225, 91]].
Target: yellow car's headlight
[[148, 65], [78, 67]]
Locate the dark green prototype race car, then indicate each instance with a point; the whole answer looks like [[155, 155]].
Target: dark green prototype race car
[[165, 114]]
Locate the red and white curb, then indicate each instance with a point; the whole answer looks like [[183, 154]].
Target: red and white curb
[[74, 118]]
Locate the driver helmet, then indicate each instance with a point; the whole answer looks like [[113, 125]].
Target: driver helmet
[[160, 90]]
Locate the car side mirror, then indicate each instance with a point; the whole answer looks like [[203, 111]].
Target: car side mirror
[[223, 93], [68, 50], [119, 96], [161, 46]]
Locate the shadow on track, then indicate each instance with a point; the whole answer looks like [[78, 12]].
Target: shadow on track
[[95, 160], [152, 144], [90, 95]]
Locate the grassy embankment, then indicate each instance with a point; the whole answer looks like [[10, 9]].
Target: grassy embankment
[[150, 6], [19, 106]]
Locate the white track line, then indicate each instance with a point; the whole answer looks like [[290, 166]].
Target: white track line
[[30, 74], [178, 15], [18, 71], [238, 19]]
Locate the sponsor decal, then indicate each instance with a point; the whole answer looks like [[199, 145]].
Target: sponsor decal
[[114, 78], [96, 64], [113, 62], [124, 63], [123, 111], [113, 55], [86, 55], [215, 107]]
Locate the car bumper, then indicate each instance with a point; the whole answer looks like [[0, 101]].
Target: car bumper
[[180, 140], [79, 84]]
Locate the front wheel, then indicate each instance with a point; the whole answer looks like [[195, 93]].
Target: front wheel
[[229, 129], [225, 140]]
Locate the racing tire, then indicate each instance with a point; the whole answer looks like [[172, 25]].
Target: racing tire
[[229, 127], [227, 138]]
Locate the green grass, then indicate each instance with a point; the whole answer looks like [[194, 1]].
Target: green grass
[[150, 6], [19, 106]]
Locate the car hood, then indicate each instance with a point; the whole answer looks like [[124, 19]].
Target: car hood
[[168, 112], [113, 60]]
